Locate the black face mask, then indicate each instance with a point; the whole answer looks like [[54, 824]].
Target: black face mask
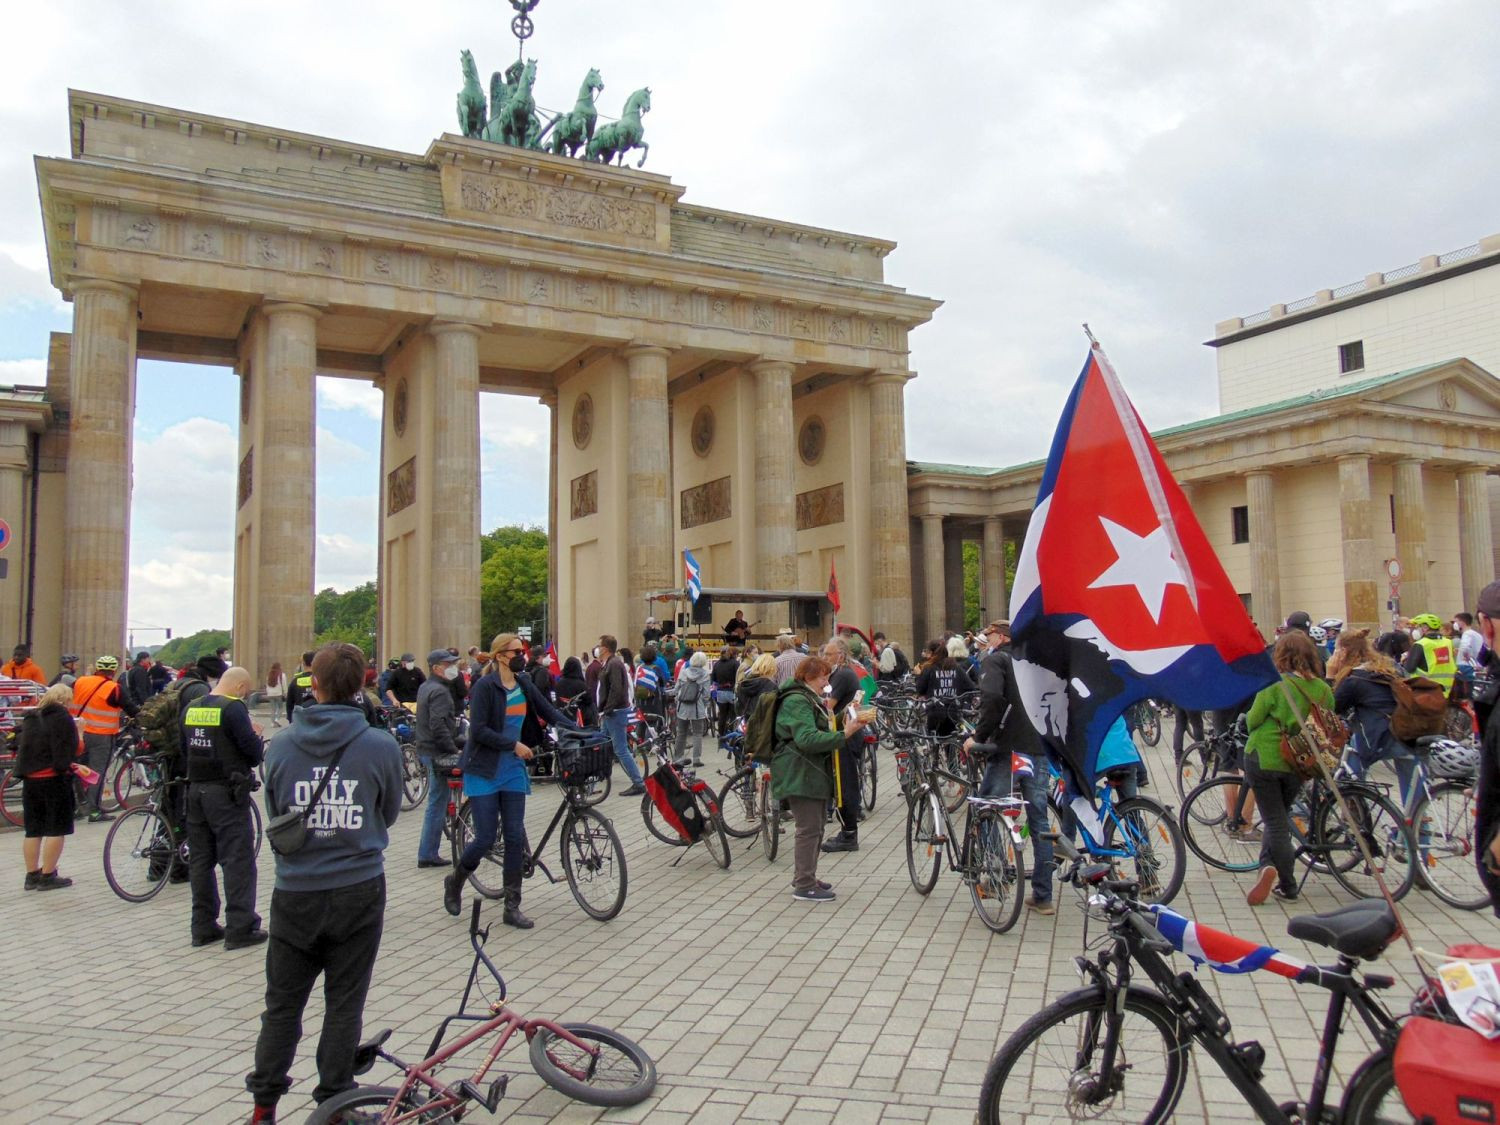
[[517, 663]]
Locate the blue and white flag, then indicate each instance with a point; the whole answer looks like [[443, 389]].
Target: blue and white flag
[[693, 573]]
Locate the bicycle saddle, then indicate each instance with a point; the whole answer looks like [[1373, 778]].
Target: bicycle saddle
[[682, 763], [1361, 929], [447, 765], [365, 1056]]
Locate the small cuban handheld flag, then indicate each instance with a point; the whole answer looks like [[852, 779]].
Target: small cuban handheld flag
[[1118, 594], [693, 573]]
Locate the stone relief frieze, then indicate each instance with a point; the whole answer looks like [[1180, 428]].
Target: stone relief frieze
[[140, 231], [585, 495], [820, 507], [705, 503], [247, 476], [564, 207], [401, 487]]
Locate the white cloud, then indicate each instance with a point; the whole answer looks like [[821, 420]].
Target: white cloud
[[23, 372], [331, 446], [351, 394]]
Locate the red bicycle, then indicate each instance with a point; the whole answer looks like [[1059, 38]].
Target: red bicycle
[[587, 1063]]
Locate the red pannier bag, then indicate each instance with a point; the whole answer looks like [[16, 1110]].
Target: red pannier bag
[[1449, 1074], [675, 804]]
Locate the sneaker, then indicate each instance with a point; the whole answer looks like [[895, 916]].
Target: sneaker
[[52, 882], [1041, 906], [433, 863], [99, 816], [216, 935], [815, 894], [263, 1115], [822, 886], [1262, 889], [31, 879], [1285, 896], [633, 791], [245, 941], [1246, 833]]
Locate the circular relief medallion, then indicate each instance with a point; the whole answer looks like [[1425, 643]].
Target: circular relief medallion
[[583, 421], [398, 408], [810, 440], [703, 430]]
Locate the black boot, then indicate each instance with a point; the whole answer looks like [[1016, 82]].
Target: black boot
[[453, 893], [843, 842], [513, 915]]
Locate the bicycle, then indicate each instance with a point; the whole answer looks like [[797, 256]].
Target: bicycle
[[1122, 1051], [740, 797], [10, 783], [146, 844], [414, 779], [1144, 715], [1136, 830], [679, 775], [123, 784], [592, 857], [1324, 840], [1217, 754], [588, 1063], [990, 861]]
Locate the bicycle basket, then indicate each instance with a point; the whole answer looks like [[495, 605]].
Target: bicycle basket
[[580, 762]]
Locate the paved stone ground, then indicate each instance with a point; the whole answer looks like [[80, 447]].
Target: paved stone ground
[[884, 1006]]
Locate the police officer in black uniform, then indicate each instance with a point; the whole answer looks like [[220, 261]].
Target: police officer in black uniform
[[221, 747], [299, 691]]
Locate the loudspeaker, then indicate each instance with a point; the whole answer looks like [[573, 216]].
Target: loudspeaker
[[810, 615], [703, 610]]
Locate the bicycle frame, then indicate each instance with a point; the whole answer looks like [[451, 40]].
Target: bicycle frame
[[1107, 816], [1203, 1020]]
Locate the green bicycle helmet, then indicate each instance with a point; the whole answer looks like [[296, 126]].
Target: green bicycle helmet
[[1429, 621]]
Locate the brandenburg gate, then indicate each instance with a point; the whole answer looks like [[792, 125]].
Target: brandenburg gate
[[718, 382]]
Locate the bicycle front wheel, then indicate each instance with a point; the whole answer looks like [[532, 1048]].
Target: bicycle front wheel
[[924, 847], [738, 804], [1196, 765], [373, 1100], [1150, 723], [257, 827], [996, 870], [489, 877], [1147, 833], [414, 778], [1371, 1097], [658, 827], [616, 1072], [1055, 1062], [138, 854], [1443, 824], [594, 863], [10, 797], [1385, 834], [770, 818], [714, 837], [868, 776], [1206, 827]]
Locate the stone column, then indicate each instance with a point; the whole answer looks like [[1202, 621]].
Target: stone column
[[15, 461], [287, 482], [992, 571], [1265, 573], [549, 400], [1357, 524], [1411, 536], [933, 572], [1475, 534], [649, 526], [775, 487], [96, 516], [890, 545], [455, 487], [953, 576]]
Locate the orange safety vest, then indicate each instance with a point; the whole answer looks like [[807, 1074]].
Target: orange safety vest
[[96, 706]]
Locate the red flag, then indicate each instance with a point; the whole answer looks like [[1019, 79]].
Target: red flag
[[833, 587]]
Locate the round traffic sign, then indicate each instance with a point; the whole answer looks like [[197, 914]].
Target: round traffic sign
[[4, 535], [1393, 568]]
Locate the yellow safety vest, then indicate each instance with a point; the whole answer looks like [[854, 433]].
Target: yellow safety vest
[[1442, 659]]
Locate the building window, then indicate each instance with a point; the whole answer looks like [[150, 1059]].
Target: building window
[[1351, 357], [1239, 522]]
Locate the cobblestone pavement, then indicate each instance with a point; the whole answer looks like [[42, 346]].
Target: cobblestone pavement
[[882, 1006]]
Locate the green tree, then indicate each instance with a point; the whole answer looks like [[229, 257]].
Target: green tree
[[512, 579], [974, 587], [346, 617], [186, 650]]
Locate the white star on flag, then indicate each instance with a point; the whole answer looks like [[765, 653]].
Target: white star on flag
[[1142, 561]]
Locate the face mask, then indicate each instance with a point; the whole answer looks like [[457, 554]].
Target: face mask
[[518, 663], [450, 672], [408, 665], [596, 654], [1416, 634]]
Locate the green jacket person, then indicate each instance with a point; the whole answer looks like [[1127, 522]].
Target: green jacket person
[[802, 768]]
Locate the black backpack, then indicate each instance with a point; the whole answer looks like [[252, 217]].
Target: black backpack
[[760, 728], [688, 690]]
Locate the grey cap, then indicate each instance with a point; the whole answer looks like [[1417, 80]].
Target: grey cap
[[440, 656], [405, 656]]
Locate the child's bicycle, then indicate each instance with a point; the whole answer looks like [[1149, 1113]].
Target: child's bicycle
[[587, 1063]]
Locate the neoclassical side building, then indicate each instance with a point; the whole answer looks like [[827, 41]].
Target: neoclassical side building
[[719, 382], [1361, 426]]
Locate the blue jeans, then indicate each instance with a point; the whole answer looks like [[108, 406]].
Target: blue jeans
[[493, 814], [437, 812], [616, 723], [997, 783]]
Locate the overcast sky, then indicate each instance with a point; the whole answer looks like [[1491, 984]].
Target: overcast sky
[[1150, 168]]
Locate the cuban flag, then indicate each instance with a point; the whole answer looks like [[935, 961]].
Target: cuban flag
[[692, 573], [1119, 594], [1221, 952], [551, 659]]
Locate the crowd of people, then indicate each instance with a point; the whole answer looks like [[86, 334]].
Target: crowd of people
[[337, 776]]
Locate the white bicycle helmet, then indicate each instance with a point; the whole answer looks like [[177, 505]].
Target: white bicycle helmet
[[1331, 623], [1317, 633], [1457, 761]]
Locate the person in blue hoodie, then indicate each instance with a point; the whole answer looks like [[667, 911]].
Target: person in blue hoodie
[[328, 904]]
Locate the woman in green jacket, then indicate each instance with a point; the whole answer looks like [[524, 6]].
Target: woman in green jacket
[[1273, 782], [802, 769]]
